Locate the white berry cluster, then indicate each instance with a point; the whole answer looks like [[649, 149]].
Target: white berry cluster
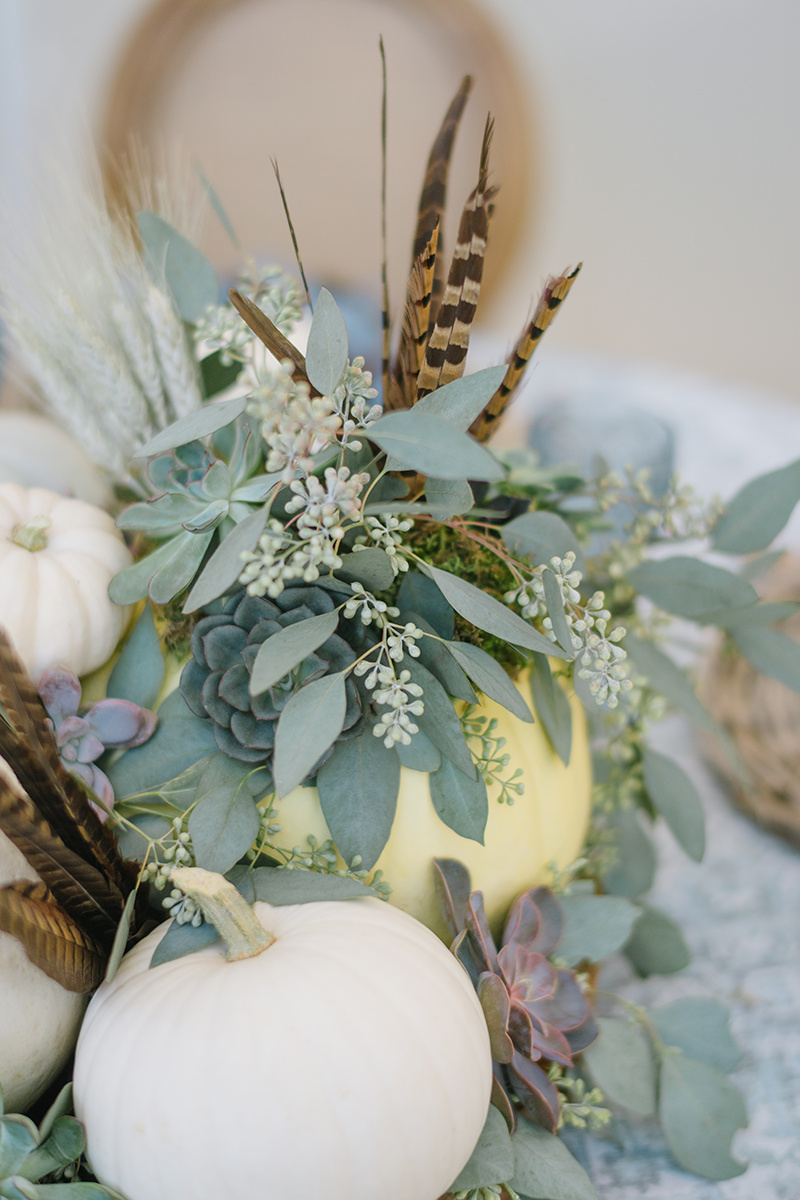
[[294, 424], [387, 533], [352, 401], [322, 506], [176, 853], [280, 557], [221, 328]]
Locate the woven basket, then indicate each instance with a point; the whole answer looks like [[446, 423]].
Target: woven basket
[[763, 718]]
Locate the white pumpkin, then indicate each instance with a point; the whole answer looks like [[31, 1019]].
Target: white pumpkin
[[38, 1018], [349, 1059], [57, 558]]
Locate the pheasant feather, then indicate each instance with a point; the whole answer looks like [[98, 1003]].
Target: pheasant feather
[[52, 940], [414, 332], [271, 336]]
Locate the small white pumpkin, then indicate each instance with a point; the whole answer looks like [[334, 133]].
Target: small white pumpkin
[[348, 1059], [39, 1019], [35, 452], [57, 558]]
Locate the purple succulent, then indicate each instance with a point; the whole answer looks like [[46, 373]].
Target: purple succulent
[[536, 1013], [83, 736]]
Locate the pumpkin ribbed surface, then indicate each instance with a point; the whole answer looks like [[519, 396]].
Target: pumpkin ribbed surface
[[348, 1060]]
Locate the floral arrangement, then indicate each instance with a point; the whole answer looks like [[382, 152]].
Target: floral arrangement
[[367, 658]]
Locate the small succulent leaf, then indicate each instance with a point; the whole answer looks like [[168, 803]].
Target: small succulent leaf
[[676, 798], [217, 483], [453, 886], [493, 995], [622, 1065], [61, 1191], [180, 940], [436, 656], [225, 565], [541, 536], [61, 1107], [66, 1140], [198, 424], [189, 275], [772, 653], [439, 720], [327, 346], [181, 567], [462, 950], [544, 1169], [555, 611], [501, 1102], [700, 1110], [688, 587], [462, 401], [487, 675], [535, 920], [130, 585], [281, 652], [448, 497], [420, 594], [276, 885], [177, 744], [483, 611], [419, 755], [758, 511], [419, 442], [358, 788], [311, 721], [633, 873], [492, 1160], [370, 566], [699, 1027], [139, 671], [551, 707], [119, 724], [460, 802], [520, 1027], [120, 939], [596, 926], [210, 516], [216, 376], [60, 692], [160, 517], [480, 935], [17, 1141], [256, 490], [656, 945], [537, 1093], [224, 822]]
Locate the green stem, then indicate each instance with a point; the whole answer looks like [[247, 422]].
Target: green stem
[[33, 535], [230, 914]]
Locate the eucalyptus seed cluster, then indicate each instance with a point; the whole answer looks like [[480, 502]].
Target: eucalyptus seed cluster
[[387, 534], [176, 852], [221, 328]]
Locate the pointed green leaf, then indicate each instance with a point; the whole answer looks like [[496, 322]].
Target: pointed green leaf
[[772, 653], [754, 568], [358, 787], [492, 1160], [656, 946], [460, 802], [139, 671], [281, 652], [180, 940], [431, 445], [758, 512], [439, 720], [178, 742], [120, 938], [420, 755], [327, 347], [487, 675], [421, 595], [436, 656], [541, 536], [216, 376], [596, 926], [224, 822], [198, 424], [16, 1143], [551, 707], [555, 611], [668, 679], [635, 868], [699, 1027], [496, 1005], [483, 611], [676, 798], [462, 401], [544, 1169], [311, 721], [448, 497], [189, 275], [700, 1111], [225, 565], [688, 587], [752, 615], [278, 885], [180, 569], [623, 1067], [371, 566]]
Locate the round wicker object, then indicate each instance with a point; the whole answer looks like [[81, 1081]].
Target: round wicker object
[[763, 718]]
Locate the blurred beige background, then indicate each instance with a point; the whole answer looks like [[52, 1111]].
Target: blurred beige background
[[663, 137]]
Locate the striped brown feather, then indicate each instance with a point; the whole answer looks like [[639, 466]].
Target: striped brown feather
[[52, 940], [79, 888], [555, 291], [446, 350], [434, 188], [271, 336], [414, 332]]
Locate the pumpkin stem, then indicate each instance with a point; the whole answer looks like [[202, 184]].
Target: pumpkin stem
[[230, 914], [33, 535]]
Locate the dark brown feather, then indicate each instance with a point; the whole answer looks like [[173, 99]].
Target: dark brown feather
[[52, 940], [271, 336], [414, 332], [555, 291]]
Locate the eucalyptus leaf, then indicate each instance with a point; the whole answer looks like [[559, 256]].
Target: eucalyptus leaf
[[544, 1169], [437, 656], [440, 721], [216, 376], [492, 1160], [675, 796], [281, 652], [189, 275], [699, 1027], [358, 788], [462, 401], [758, 512], [419, 755], [421, 595], [327, 347], [483, 611], [772, 653], [668, 679], [225, 565], [139, 671], [752, 615], [311, 721], [217, 206], [623, 1067], [487, 675], [551, 707], [198, 424], [688, 587], [656, 946], [180, 569], [370, 566], [555, 611], [541, 536], [448, 497], [460, 802], [596, 926], [700, 1111], [224, 822], [754, 568], [633, 873], [420, 442], [120, 938], [178, 742], [180, 940], [136, 834]]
